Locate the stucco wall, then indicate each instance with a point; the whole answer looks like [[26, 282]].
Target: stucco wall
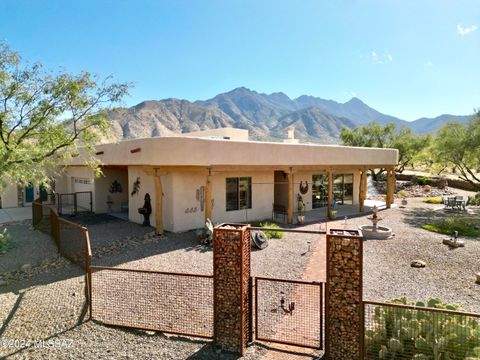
[[187, 211], [262, 197], [64, 181], [102, 190], [9, 196], [207, 152], [147, 185]]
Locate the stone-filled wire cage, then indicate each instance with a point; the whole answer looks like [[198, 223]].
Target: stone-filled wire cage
[[231, 270]]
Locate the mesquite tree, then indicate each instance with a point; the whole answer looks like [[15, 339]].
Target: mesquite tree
[[458, 145], [45, 117], [408, 144]]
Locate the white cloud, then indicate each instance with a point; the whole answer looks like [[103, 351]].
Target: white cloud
[[381, 58], [466, 30]]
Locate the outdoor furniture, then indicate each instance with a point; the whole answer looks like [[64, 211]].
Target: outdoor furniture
[[460, 202], [279, 210], [455, 202]]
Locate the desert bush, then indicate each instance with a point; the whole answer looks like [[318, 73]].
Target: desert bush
[[433, 200], [401, 333], [402, 193], [474, 200], [465, 226], [270, 234], [4, 241], [425, 180]]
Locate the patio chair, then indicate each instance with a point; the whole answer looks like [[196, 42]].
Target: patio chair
[[450, 202], [460, 202]]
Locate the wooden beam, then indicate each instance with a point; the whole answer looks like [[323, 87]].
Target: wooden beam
[[158, 205], [330, 190], [290, 198], [208, 198], [390, 187], [362, 192]]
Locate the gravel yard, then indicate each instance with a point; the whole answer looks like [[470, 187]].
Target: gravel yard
[[449, 274], [49, 303]]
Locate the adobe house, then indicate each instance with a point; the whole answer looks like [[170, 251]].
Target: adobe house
[[221, 175]]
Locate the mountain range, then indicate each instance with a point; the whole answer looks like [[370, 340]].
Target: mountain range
[[266, 116]]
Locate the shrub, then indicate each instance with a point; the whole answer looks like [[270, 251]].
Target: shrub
[[414, 334], [270, 234], [464, 226], [402, 193], [4, 241], [433, 200], [474, 200], [425, 180]]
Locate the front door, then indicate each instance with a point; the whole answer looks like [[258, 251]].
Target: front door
[[29, 194]]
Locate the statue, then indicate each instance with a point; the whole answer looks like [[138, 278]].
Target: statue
[[146, 210]]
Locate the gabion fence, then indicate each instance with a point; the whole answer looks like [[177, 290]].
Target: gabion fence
[[174, 303], [394, 331]]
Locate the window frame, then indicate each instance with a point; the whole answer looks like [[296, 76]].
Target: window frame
[[247, 199]]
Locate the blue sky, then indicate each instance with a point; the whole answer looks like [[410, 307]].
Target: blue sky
[[404, 58]]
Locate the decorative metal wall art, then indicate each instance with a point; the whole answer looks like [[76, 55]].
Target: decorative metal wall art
[[136, 187], [115, 187], [303, 187]]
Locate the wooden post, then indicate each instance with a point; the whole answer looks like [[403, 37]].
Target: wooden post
[[390, 187], [330, 190], [290, 198], [208, 197], [362, 191], [158, 204]]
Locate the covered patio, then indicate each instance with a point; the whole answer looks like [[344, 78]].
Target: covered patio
[[350, 211]]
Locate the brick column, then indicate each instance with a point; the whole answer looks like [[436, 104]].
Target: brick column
[[231, 275], [344, 314]]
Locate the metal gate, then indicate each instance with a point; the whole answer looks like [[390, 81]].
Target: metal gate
[[74, 203], [289, 312]]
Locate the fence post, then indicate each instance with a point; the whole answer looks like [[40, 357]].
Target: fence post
[[75, 209], [231, 276], [344, 311]]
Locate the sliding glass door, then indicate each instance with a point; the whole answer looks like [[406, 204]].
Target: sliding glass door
[[343, 189], [319, 191]]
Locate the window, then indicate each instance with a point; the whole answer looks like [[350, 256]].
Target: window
[[239, 193]]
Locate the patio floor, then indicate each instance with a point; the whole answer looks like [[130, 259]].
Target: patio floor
[[320, 215]]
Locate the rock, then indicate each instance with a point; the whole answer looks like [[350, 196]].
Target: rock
[[427, 188], [3, 282], [26, 267], [478, 277], [453, 243], [418, 264], [150, 333]]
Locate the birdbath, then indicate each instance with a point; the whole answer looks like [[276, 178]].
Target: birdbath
[[374, 231]]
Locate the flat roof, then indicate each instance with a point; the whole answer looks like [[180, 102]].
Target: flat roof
[[192, 151]]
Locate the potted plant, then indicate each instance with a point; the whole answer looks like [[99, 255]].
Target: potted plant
[[301, 210]]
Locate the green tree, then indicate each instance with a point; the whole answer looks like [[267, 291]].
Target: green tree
[[45, 117], [410, 147], [388, 136], [458, 145]]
